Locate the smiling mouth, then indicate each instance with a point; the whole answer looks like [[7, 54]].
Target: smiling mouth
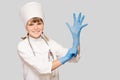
[[35, 32]]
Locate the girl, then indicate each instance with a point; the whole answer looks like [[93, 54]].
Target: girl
[[40, 55]]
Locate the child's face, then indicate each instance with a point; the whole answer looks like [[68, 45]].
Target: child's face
[[35, 29]]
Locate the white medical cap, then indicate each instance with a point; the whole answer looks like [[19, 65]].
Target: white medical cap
[[30, 10]]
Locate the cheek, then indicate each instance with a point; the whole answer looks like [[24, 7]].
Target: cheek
[[28, 29], [42, 27]]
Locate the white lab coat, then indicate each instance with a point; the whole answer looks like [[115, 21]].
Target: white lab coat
[[39, 67]]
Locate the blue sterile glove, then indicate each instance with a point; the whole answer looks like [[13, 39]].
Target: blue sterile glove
[[76, 28], [71, 52]]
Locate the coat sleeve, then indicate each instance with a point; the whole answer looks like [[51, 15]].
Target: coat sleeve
[[61, 51], [33, 61]]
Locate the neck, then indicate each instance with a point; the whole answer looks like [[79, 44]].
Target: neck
[[33, 38]]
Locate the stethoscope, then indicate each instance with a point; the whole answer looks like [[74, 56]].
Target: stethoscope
[[50, 54]]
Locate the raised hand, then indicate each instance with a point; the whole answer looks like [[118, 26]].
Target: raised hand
[[76, 28]]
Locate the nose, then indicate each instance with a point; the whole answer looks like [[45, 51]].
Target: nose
[[36, 27]]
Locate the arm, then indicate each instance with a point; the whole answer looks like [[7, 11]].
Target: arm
[[35, 63], [75, 59], [61, 51], [79, 50], [76, 30], [56, 64], [71, 52]]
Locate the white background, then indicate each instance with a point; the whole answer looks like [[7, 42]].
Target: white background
[[100, 40]]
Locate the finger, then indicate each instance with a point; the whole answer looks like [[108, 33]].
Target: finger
[[84, 25], [79, 17], [82, 19], [74, 17], [68, 25]]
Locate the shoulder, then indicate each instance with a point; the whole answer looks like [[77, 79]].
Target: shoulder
[[51, 41], [22, 44], [48, 38]]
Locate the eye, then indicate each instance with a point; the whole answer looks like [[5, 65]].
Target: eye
[[30, 24], [39, 23]]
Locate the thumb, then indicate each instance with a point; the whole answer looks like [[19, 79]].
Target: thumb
[[84, 25]]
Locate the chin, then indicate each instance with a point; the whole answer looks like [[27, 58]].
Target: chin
[[37, 36]]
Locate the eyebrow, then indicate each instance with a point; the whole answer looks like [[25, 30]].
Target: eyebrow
[[33, 22]]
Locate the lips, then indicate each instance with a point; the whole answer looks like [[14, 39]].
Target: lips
[[35, 32]]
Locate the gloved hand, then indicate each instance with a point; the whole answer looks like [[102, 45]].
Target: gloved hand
[[76, 29], [71, 52]]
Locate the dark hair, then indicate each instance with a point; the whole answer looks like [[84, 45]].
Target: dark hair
[[36, 19]]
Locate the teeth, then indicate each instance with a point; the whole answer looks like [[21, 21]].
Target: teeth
[[36, 32]]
